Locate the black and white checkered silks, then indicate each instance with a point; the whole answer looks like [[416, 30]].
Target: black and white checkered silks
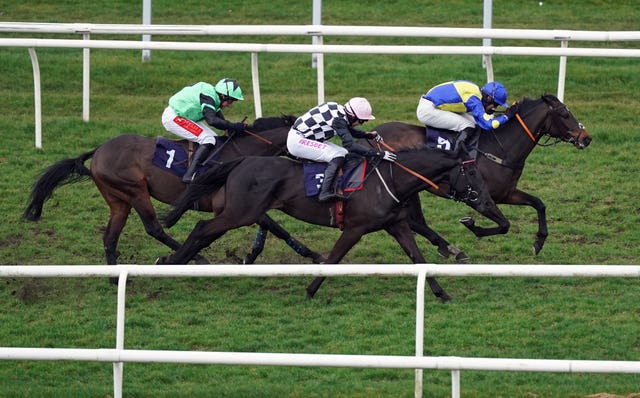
[[316, 124]]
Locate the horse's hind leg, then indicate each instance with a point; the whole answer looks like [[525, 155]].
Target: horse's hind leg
[[118, 214], [152, 226]]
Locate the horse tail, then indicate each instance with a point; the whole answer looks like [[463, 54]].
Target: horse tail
[[64, 172], [203, 185]]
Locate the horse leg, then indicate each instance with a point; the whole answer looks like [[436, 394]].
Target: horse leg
[[402, 233], [204, 234], [444, 248], [494, 214], [347, 240], [419, 225], [518, 197], [118, 214], [257, 247], [152, 226], [268, 224]]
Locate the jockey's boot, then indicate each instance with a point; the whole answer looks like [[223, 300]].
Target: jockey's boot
[[470, 137], [199, 157], [327, 191]]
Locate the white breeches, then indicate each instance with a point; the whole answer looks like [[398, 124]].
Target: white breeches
[[429, 115], [198, 132], [317, 151]]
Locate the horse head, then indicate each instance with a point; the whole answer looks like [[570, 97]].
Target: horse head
[[562, 125]]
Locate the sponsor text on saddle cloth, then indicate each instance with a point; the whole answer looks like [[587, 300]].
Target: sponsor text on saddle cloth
[[351, 180], [440, 138], [172, 156]]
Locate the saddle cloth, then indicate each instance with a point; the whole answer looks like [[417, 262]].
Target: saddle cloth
[[172, 156], [351, 180], [440, 138]]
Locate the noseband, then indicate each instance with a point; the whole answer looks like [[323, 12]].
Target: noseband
[[468, 195]]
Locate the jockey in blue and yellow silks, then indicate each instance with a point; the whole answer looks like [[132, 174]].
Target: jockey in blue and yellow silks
[[464, 107]]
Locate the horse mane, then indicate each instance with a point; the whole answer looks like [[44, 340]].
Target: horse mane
[[270, 123]]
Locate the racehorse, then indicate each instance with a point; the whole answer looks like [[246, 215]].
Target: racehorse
[[122, 170], [501, 159], [241, 190]]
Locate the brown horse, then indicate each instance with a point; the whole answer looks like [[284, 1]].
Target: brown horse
[[501, 159], [122, 170], [241, 191]]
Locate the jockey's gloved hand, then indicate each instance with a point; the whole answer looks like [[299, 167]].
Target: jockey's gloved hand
[[388, 156], [238, 127], [511, 112], [373, 135]]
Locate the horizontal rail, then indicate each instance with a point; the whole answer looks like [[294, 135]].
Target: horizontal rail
[[319, 30], [319, 48], [322, 360], [275, 270]]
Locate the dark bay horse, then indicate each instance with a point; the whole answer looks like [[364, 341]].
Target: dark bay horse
[[501, 159], [122, 170], [240, 191]]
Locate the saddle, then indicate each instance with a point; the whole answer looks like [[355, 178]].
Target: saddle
[[351, 179], [174, 155]]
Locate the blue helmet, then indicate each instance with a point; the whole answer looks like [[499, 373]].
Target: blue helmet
[[496, 91]]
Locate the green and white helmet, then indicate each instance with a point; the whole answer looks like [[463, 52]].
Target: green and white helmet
[[230, 88]]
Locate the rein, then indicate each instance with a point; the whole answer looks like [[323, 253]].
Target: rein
[[524, 126], [254, 135], [408, 170]]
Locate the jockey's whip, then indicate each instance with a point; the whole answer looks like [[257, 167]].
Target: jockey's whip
[[408, 170]]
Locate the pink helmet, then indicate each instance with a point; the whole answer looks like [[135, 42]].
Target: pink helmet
[[360, 108]]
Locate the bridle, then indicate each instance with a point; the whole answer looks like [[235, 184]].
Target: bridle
[[558, 113]]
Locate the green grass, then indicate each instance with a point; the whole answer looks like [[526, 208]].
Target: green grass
[[590, 195]]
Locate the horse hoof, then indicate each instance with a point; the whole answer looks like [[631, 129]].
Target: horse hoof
[[114, 280], [202, 261], [467, 221], [536, 248], [159, 260], [462, 258], [444, 252], [444, 297], [319, 259]]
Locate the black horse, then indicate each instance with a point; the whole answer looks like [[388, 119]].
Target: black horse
[[123, 170], [502, 156], [242, 190]]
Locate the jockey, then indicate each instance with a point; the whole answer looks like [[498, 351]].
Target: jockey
[[464, 107], [201, 102], [308, 138]]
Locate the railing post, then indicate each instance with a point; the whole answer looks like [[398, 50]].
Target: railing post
[[37, 96], [562, 70], [86, 73], [118, 367], [455, 384], [255, 81], [422, 276]]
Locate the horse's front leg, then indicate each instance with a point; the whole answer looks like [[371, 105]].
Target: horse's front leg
[[402, 233], [419, 225], [348, 238], [204, 233], [268, 224], [518, 197], [494, 214]]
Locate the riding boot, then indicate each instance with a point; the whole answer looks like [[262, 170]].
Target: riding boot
[[470, 137], [199, 157], [327, 191]]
